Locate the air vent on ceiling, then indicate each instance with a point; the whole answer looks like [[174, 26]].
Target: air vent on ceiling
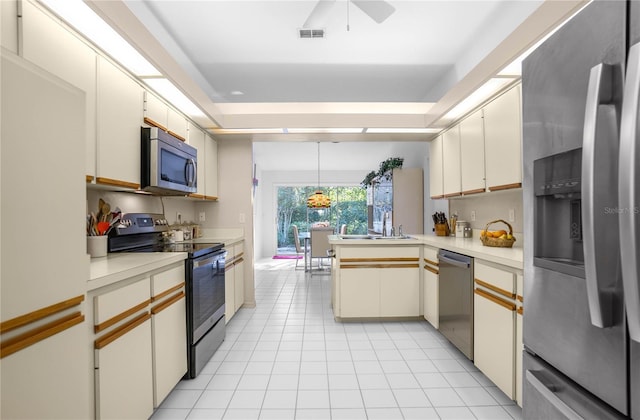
[[311, 33]]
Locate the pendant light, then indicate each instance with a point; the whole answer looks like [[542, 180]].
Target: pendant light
[[318, 200]]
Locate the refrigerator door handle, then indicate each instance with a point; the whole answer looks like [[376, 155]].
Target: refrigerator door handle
[[551, 396], [628, 193], [600, 150]]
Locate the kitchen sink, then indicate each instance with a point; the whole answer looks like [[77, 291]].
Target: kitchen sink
[[356, 237], [393, 237], [401, 237]]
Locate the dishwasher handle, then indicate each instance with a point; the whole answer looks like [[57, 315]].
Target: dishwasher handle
[[454, 262]]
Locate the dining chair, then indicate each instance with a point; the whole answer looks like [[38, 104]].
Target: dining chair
[[299, 249], [320, 243]]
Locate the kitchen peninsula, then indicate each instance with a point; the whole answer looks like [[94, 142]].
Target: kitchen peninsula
[[376, 277]]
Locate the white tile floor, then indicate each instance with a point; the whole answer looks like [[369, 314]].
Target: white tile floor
[[289, 359]]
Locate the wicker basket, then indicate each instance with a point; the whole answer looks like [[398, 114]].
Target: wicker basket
[[497, 242]]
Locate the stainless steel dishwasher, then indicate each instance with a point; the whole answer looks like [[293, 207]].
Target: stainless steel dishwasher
[[455, 295]]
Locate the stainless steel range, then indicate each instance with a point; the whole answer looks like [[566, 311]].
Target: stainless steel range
[[204, 272]]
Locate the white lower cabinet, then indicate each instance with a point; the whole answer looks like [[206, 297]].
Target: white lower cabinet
[[124, 376], [495, 325], [378, 282], [234, 279], [139, 327], [430, 286], [169, 331], [519, 343], [123, 368]]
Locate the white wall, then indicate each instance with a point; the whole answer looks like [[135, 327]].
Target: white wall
[[139, 203]]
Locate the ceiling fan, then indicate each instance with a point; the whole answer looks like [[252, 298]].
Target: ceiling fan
[[378, 10]]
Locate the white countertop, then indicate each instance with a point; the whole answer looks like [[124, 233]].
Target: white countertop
[[510, 257], [119, 266]]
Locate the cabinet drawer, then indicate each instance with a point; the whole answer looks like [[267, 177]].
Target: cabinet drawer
[[167, 280], [238, 249], [379, 252], [501, 279], [127, 298], [430, 255]]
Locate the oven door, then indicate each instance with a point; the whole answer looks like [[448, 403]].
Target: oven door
[[206, 290]]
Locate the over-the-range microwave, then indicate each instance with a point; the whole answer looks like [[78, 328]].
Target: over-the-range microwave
[[168, 165]]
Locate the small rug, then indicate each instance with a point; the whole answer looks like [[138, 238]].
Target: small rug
[[287, 257]]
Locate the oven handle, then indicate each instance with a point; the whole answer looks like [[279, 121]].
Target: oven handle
[[210, 260]]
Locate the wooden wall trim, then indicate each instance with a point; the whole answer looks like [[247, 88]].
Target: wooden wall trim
[[428, 261], [117, 183], [520, 310], [36, 335], [88, 178], [176, 135], [123, 315], [39, 314], [153, 123]]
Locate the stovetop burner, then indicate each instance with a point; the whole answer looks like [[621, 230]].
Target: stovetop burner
[[143, 232]]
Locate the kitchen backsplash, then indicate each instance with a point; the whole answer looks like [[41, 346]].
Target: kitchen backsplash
[[488, 207], [140, 203]]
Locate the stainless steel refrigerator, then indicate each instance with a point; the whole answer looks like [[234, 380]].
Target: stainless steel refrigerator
[[581, 141]]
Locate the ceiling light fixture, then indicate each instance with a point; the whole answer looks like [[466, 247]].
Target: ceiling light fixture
[[483, 93], [403, 130], [318, 200], [324, 130], [172, 94]]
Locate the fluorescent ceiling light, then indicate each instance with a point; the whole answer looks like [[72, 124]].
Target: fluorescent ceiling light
[[484, 92], [324, 130], [403, 130], [171, 93], [88, 23], [248, 130]]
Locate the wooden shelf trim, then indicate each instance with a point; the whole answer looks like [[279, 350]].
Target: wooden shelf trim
[[455, 194], [505, 187], [176, 135], [496, 289], [495, 299], [164, 305], [476, 191], [380, 266], [88, 178], [211, 197], [153, 123], [434, 263], [433, 270], [39, 314], [436, 197], [36, 335], [123, 315], [117, 183], [520, 310], [167, 292], [392, 259], [198, 196], [122, 330]]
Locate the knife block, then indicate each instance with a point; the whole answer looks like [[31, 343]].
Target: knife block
[[442, 229]]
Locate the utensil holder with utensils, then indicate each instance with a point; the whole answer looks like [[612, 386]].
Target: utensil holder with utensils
[[97, 246]]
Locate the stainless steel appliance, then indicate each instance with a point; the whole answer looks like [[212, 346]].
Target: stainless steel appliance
[[580, 154], [168, 165], [455, 294], [204, 281]]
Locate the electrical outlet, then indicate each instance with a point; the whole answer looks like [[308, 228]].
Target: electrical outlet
[[202, 216], [512, 215], [473, 215], [178, 217], [241, 218]]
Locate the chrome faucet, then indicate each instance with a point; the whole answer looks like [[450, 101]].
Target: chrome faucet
[[400, 230], [384, 224]]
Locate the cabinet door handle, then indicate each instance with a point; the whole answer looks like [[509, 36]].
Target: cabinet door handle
[[119, 332], [495, 299], [628, 193], [600, 150], [164, 305]]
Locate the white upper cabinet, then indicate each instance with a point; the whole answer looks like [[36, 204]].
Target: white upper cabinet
[[9, 25], [435, 168], [503, 141], [197, 139], [51, 46], [211, 168], [472, 153], [451, 162], [159, 114], [119, 120]]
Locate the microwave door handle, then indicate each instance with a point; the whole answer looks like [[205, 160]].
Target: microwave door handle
[[194, 174], [600, 150], [628, 193], [189, 172]]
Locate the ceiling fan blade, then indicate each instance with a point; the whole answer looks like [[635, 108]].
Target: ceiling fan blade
[[318, 16], [378, 10]]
